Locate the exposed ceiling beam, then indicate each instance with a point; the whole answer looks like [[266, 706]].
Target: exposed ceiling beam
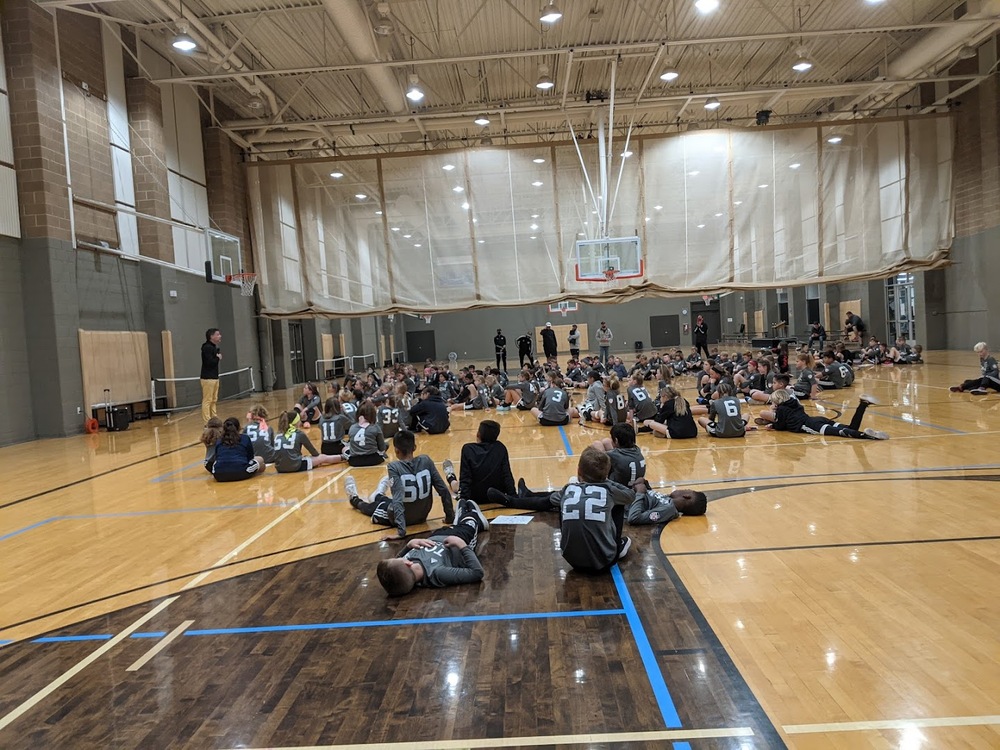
[[579, 50]]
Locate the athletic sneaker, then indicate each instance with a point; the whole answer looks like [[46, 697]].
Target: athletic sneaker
[[384, 486], [868, 399], [956, 389], [449, 468], [624, 546], [761, 421], [979, 392], [493, 495], [876, 434], [503, 407], [472, 509], [352, 489]]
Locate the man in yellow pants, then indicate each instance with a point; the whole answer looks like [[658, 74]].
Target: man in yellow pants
[[210, 356]]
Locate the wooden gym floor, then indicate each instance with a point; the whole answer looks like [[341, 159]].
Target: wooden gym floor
[[838, 594]]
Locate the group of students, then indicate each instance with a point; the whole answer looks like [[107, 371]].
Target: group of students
[[609, 488]]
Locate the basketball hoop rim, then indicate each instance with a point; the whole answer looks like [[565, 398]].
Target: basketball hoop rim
[[247, 282]]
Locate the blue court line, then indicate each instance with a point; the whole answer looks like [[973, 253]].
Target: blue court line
[[565, 437], [682, 746], [653, 672], [340, 625], [163, 477], [14, 533]]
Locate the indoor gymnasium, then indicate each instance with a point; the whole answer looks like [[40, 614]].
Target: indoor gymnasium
[[633, 361]]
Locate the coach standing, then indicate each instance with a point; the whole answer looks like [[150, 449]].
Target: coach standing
[[210, 356], [604, 337], [701, 337], [500, 344], [549, 345]]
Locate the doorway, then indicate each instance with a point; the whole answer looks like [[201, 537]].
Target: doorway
[[901, 299], [664, 331], [713, 319], [296, 352], [420, 346]]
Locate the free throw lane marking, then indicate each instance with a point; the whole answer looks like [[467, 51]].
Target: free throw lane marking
[[158, 647]]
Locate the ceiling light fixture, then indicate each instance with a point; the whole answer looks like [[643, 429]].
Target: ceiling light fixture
[[802, 63], [448, 167], [465, 206], [458, 189], [670, 74], [482, 120], [414, 92], [336, 175], [834, 139], [538, 160], [545, 82], [384, 25], [360, 196], [796, 165], [537, 183], [550, 13], [183, 41], [712, 103], [706, 6]]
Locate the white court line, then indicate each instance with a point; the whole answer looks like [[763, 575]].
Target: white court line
[[233, 553], [164, 642], [83, 664], [560, 739], [87, 661], [861, 726]]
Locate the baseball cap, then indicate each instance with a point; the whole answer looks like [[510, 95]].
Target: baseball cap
[[548, 325]]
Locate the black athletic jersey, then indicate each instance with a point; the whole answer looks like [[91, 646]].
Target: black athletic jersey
[[627, 465], [754, 382], [588, 537], [643, 407], [724, 414]]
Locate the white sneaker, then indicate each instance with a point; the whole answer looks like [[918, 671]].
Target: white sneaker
[[449, 467], [384, 486], [473, 509], [352, 487], [870, 399], [876, 434]]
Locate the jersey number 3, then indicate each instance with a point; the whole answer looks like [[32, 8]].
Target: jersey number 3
[[594, 500]]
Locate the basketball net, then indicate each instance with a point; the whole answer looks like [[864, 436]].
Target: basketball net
[[247, 282], [609, 276]]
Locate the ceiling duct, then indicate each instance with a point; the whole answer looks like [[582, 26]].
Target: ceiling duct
[[352, 22]]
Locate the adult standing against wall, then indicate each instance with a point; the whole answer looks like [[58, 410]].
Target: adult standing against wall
[[604, 336], [574, 342], [701, 336], [500, 344], [524, 349], [210, 357], [549, 345]]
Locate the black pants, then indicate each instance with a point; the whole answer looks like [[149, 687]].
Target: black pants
[[521, 356], [702, 346], [968, 385], [618, 516], [824, 426], [574, 353], [550, 353], [466, 529], [502, 355]]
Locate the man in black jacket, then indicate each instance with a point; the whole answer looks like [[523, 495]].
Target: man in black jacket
[[500, 344], [430, 414], [210, 356], [701, 336], [549, 345], [524, 349]]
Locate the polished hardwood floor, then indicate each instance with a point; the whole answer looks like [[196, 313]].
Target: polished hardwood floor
[[838, 594]]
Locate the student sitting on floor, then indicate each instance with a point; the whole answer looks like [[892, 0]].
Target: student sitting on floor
[[553, 406], [674, 419], [365, 441], [307, 409], [288, 444], [430, 413], [333, 426], [989, 374], [593, 514], [210, 438], [724, 419], [627, 462], [234, 458], [485, 464], [411, 479], [446, 558]]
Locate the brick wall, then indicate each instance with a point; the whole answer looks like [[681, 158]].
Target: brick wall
[[36, 120], [226, 185], [977, 160], [149, 167]]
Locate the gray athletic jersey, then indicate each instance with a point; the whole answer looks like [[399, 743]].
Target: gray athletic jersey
[[838, 373], [596, 395], [616, 408], [725, 414], [529, 392], [332, 429], [588, 530], [651, 508], [627, 465], [639, 401], [262, 441], [366, 440], [288, 450], [554, 404], [412, 481], [388, 420], [350, 410], [806, 381], [446, 566]]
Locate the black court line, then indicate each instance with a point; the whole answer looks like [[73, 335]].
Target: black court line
[[834, 545], [744, 695], [95, 476], [680, 651]]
